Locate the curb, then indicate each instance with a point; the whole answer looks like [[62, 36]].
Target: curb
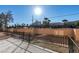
[[45, 49]]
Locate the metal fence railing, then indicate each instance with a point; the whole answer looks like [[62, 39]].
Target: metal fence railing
[[62, 44], [73, 45]]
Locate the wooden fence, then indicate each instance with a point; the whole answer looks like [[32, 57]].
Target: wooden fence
[[60, 31]]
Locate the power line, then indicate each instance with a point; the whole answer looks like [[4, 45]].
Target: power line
[[64, 15]]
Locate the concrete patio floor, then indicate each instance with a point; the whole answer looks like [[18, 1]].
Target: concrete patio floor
[[13, 45]]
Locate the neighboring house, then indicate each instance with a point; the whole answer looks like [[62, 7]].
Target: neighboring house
[[69, 24], [36, 23], [57, 24]]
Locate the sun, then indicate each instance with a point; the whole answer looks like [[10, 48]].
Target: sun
[[38, 11]]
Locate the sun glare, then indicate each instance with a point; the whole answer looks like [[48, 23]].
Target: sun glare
[[38, 11]]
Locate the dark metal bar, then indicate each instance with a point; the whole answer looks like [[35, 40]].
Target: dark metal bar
[[70, 46], [73, 47]]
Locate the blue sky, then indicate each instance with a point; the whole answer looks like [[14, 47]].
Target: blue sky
[[23, 13]]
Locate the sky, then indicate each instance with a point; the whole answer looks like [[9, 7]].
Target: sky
[[24, 13]]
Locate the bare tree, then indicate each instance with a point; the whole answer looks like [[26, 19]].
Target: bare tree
[[5, 18], [8, 18]]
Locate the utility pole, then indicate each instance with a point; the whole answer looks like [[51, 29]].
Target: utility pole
[[32, 19]]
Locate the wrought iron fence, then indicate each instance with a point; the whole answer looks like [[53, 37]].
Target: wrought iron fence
[[62, 44]]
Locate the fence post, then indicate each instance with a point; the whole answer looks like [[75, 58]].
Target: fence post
[[70, 46], [23, 35], [19, 35], [29, 38]]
